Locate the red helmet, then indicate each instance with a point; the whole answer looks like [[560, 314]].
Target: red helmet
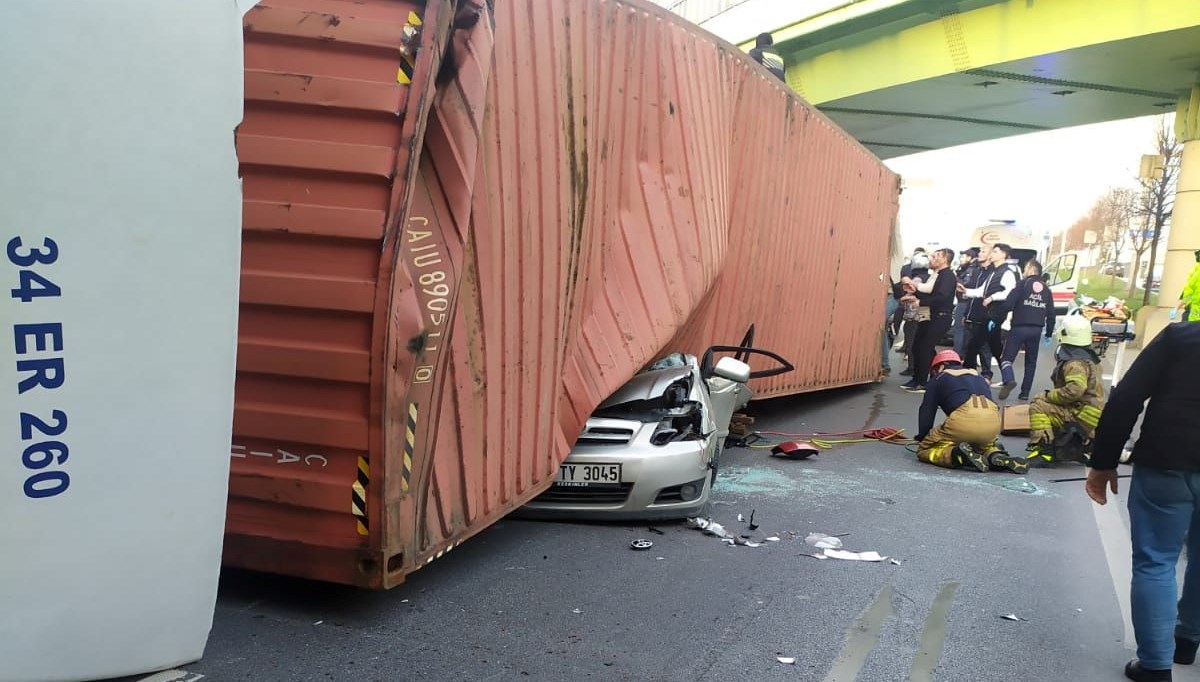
[[794, 449], [943, 357]]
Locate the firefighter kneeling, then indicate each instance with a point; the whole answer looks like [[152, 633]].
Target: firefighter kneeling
[[1063, 420], [968, 436]]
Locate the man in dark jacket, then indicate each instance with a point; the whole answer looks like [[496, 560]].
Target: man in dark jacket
[[1033, 310], [988, 307], [764, 53], [1164, 494], [966, 272], [937, 296], [968, 436]]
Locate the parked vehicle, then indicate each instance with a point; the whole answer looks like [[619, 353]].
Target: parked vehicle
[[651, 450], [1117, 269]]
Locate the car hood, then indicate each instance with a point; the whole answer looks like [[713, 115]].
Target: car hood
[[648, 385]]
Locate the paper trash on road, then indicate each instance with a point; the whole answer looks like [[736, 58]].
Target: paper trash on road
[[746, 543], [895, 562], [741, 518], [823, 541], [773, 538], [786, 660], [1012, 616], [853, 556]]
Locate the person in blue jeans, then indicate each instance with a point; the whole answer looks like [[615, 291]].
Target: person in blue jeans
[[1164, 494], [890, 304], [1033, 310]]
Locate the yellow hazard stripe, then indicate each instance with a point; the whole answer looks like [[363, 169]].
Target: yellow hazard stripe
[[358, 496], [404, 74], [410, 439], [1076, 379], [1039, 421], [1089, 415]]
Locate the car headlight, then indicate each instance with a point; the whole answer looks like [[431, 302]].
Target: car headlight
[[665, 432]]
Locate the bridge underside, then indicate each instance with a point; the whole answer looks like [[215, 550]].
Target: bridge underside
[[1122, 79]]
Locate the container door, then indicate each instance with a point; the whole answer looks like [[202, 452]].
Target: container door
[[119, 247]]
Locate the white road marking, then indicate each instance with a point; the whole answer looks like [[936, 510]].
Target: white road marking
[[1115, 538]]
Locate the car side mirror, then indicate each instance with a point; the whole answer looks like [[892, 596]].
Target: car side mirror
[[733, 370]]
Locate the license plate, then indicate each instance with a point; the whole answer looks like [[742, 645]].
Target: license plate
[[591, 475]]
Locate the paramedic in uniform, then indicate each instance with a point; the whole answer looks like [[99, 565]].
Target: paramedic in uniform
[[1033, 311]]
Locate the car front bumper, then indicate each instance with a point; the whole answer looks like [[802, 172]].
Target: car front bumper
[[651, 478]]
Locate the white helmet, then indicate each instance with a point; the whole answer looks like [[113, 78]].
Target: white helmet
[[1076, 331], [920, 261]]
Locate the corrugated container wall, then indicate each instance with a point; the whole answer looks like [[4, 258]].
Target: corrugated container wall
[[463, 230]]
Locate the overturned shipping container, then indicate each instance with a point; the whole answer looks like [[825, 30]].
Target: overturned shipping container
[[464, 229]]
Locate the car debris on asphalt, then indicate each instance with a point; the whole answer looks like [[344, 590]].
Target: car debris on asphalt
[[1013, 617], [786, 660], [641, 544]]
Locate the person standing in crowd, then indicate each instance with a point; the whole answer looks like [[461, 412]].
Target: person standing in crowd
[[965, 273], [890, 304], [1033, 309], [1188, 308], [764, 53], [1073, 406], [937, 297], [1164, 495], [989, 307], [975, 316], [912, 273], [968, 436]]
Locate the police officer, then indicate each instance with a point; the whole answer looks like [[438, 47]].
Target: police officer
[[764, 53], [1033, 310]]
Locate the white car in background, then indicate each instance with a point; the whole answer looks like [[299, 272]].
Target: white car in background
[[651, 450]]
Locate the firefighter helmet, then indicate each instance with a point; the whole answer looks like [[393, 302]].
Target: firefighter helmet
[[942, 358], [1076, 331]]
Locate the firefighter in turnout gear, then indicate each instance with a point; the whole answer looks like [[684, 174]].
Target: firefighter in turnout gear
[[968, 436], [1063, 420]]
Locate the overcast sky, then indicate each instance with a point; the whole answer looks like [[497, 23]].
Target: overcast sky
[[1045, 180]]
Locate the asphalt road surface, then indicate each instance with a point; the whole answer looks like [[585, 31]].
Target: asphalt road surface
[[530, 600]]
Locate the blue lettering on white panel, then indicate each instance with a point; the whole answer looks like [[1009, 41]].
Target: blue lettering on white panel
[[41, 366]]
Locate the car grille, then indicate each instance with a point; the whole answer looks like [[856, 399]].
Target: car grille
[[606, 435], [586, 495]]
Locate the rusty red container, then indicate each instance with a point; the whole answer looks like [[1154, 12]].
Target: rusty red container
[[463, 230]]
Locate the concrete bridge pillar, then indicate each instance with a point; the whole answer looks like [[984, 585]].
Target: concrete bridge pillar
[[1185, 217]]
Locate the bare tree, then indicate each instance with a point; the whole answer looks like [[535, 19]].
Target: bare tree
[[1155, 201], [1115, 211]]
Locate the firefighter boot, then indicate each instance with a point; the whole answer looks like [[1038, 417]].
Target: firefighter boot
[[964, 453], [1000, 459]]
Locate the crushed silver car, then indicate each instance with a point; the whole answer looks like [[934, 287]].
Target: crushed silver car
[[651, 450]]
